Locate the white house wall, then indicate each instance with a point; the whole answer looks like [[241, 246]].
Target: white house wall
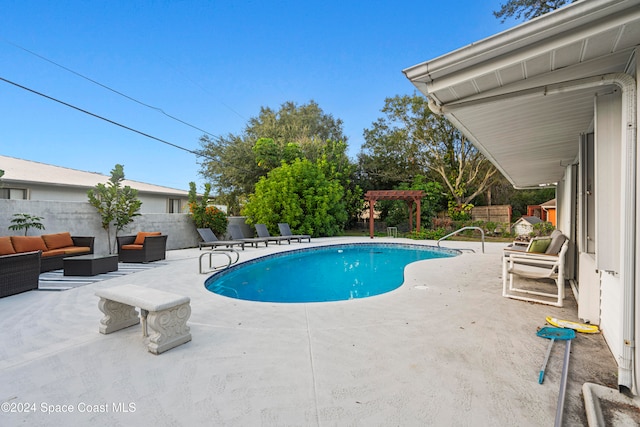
[[155, 204], [635, 69], [608, 173], [151, 203], [609, 211], [59, 193], [611, 312]]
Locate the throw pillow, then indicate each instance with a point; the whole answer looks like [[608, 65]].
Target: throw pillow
[[142, 234], [539, 246], [58, 240], [28, 243], [6, 248]]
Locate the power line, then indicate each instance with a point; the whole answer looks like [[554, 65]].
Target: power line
[[202, 88], [160, 110], [107, 120], [66, 104]]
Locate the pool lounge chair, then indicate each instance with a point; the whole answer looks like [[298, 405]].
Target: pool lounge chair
[[237, 234], [209, 239], [285, 230], [264, 233]]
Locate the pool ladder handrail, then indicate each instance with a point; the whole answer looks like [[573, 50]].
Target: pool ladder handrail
[[218, 252], [462, 229]]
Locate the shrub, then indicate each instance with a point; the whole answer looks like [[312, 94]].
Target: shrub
[[445, 223], [544, 228], [205, 216], [299, 194], [434, 234]]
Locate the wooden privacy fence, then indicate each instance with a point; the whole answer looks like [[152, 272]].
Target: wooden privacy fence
[[496, 213]]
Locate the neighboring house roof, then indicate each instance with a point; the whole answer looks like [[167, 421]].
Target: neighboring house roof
[[25, 172], [549, 205], [522, 96], [531, 220]]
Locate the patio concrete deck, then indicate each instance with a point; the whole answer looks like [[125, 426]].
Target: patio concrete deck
[[443, 349]]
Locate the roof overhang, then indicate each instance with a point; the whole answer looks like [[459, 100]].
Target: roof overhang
[[524, 96]]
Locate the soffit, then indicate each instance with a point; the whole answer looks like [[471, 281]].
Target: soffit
[[494, 90]]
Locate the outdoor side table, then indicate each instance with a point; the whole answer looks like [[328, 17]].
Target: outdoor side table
[[89, 265]]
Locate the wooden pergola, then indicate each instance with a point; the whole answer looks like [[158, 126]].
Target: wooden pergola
[[410, 196]]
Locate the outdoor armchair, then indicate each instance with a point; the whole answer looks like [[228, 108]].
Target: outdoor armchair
[[143, 247], [525, 266]]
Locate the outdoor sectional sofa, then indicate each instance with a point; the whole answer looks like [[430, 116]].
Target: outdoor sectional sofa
[[23, 258]]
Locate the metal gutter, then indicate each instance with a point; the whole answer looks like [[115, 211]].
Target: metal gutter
[[560, 22]]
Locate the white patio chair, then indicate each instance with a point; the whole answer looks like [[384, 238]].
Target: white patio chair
[[537, 266]]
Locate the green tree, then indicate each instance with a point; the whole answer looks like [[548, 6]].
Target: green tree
[[301, 195], [528, 9], [396, 212], [520, 199], [23, 221], [390, 155], [235, 163], [117, 205], [411, 141]]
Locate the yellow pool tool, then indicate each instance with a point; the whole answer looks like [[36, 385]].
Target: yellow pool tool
[[580, 327]]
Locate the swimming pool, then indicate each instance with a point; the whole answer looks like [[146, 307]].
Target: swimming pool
[[326, 273]]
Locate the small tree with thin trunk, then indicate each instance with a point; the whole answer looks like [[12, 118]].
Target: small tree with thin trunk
[[117, 205], [22, 221]]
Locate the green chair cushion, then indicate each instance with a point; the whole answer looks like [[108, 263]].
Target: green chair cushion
[[539, 246]]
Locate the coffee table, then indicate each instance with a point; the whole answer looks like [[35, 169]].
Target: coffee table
[[89, 265]]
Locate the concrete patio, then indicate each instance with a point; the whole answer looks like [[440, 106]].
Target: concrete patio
[[444, 349]]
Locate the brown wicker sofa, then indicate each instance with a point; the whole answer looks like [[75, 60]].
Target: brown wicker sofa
[[143, 247], [18, 258], [54, 247]]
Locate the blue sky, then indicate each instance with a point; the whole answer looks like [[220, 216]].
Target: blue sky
[[212, 64]]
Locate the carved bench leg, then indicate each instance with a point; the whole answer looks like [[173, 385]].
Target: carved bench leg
[[168, 328], [116, 316]]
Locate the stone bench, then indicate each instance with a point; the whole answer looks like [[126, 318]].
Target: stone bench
[[166, 314]]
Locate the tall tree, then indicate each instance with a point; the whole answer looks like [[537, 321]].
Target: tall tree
[[528, 9], [411, 141], [235, 163], [390, 154]]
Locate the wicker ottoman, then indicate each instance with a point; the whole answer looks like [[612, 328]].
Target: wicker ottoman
[[90, 265]]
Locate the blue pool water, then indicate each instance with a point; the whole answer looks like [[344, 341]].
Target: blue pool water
[[328, 273]]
